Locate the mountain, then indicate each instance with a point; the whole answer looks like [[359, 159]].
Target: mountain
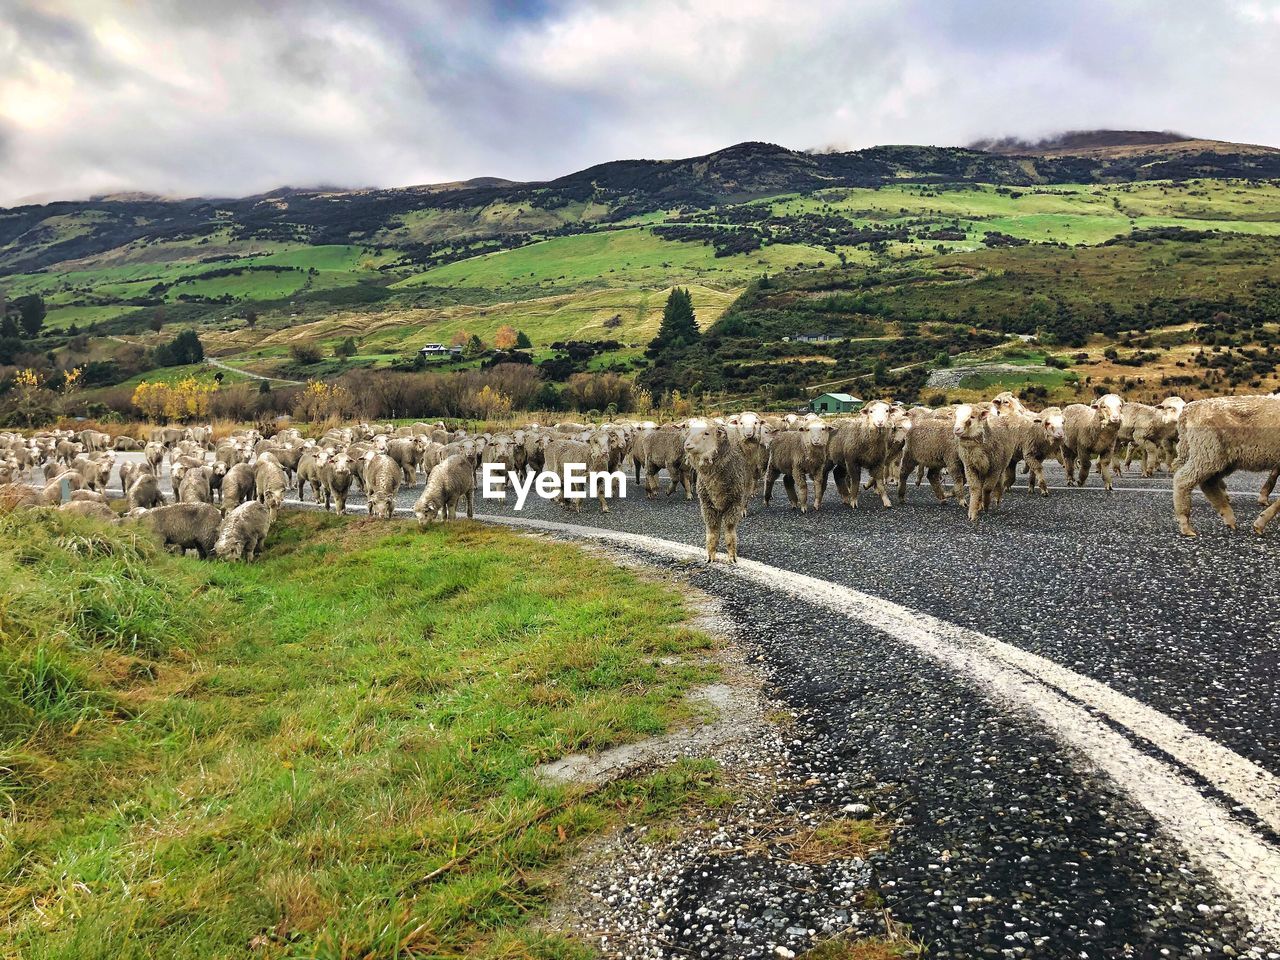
[[424, 220]]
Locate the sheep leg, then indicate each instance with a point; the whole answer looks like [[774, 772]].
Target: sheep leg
[[1185, 478], [1086, 462], [1104, 468], [904, 474], [854, 470], [1069, 465], [1266, 517], [841, 477], [935, 484], [770, 478], [651, 482], [819, 486], [881, 487], [1215, 488], [790, 484], [1267, 487], [975, 497]]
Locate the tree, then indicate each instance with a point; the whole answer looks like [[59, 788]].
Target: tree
[[506, 337], [474, 348], [251, 318], [522, 341], [31, 314], [156, 322], [345, 349], [183, 349], [9, 327], [679, 327], [304, 354], [459, 339]]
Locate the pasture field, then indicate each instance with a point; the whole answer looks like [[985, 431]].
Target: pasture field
[[614, 257], [326, 753]]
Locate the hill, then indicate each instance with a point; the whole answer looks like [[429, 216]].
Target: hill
[[276, 283]]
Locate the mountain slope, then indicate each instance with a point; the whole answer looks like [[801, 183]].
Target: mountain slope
[[431, 219]]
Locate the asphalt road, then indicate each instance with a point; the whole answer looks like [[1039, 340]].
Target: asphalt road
[[1024, 831]]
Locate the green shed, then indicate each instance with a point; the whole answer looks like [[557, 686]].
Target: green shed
[[833, 403]]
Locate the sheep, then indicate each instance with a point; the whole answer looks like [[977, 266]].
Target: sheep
[[1039, 436], [241, 535], [754, 436], [593, 453], [987, 441], [500, 450], [96, 472], [51, 495], [238, 486], [796, 455], [87, 496], [153, 453], [217, 471], [382, 481], [14, 496], [144, 492], [186, 526], [335, 479], [405, 451], [449, 482], [195, 486], [130, 471], [725, 483], [862, 441], [270, 482], [124, 444], [1156, 437], [664, 450], [1088, 432], [88, 508], [309, 472], [1216, 437]]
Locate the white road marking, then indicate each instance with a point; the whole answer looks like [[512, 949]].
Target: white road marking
[[1244, 864]]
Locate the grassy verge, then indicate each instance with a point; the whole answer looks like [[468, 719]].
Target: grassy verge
[[324, 754]]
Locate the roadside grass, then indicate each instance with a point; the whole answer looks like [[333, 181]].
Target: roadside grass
[[323, 754]]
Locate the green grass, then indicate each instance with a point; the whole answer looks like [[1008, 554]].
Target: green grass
[[324, 754], [613, 257]]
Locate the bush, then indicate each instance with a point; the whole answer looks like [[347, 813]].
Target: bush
[[304, 354]]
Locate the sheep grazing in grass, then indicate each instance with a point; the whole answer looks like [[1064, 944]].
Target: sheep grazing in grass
[[382, 477], [987, 440], [725, 484], [51, 495], [237, 486], [241, 535], [88, 508], [798, 454], [449, 482], [270, 482], [336, 475], [144, 492], [182, 526], [1216, 437], [1088, 432]]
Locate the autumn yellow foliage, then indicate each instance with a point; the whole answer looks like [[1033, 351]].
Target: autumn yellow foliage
[[186, 399]]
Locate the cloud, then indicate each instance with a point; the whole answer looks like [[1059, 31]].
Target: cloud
[[233, 96]]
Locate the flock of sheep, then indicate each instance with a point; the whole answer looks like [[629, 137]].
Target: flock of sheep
[[227, 493]]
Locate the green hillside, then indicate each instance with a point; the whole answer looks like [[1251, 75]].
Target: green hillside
[[266, 284]]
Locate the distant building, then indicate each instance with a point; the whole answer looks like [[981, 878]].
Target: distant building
[[440, 351], [812, 337], [833, 403]]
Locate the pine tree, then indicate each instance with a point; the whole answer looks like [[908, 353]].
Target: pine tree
[[679, 327]]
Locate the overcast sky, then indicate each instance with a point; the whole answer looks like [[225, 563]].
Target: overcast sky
[[229, 97]]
